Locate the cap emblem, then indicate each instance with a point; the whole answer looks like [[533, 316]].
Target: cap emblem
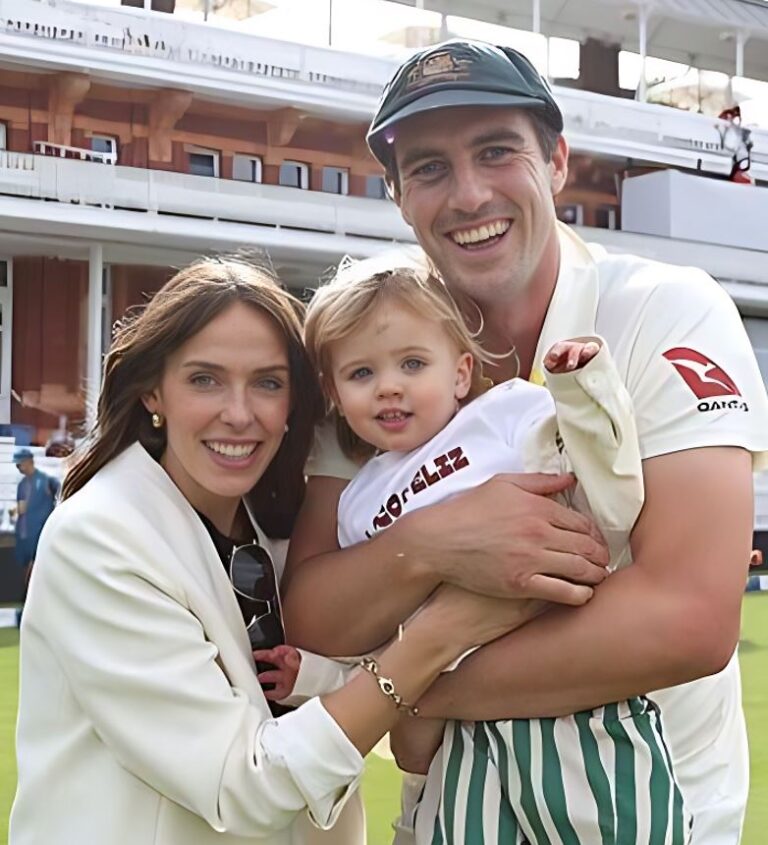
[[437, 67]]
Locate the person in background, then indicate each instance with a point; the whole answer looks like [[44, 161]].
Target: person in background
[[35, 501]]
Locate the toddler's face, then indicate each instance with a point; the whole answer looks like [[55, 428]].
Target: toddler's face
[[398, 378]]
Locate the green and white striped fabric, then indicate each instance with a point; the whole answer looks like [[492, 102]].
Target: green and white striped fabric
[[599, 777]]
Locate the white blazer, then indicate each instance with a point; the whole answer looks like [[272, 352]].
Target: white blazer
[[141, 721]]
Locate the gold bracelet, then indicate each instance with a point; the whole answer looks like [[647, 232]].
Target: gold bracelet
[[387, 686]]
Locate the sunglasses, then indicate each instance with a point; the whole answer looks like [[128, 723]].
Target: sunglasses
[[253, 578]]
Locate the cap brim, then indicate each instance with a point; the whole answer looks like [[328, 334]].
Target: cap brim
[[449, 99]]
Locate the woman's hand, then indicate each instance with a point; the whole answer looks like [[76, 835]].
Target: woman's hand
[[472, 619], [414, 742]]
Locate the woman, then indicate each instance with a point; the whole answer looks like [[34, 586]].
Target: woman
[[140, 718]]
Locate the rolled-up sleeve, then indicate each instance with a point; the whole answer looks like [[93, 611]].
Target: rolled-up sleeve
[[319, 675], [318, 756]]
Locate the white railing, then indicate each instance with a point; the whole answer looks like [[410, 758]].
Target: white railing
[[155, 191], [761, 501], [16, 161], [133, 31], [17, 174], [63, 151], [594, 123], [648, 132]]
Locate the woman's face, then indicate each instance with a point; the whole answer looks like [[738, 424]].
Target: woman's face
[[225, 397]]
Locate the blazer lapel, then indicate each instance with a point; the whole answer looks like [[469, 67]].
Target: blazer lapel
[[207, 586]]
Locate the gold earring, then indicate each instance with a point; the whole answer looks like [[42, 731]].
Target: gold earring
[[157, 420]]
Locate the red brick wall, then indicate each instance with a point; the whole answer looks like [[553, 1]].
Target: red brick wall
[[48, 297]]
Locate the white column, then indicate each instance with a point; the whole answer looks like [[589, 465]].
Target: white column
[[93, 366], [537, 16], [443, 26], [6, 344], [741, 40], [642, 18]]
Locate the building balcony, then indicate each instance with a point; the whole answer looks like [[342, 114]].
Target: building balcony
[[63, 151], [51, 204], [223, 65], [241, 67]]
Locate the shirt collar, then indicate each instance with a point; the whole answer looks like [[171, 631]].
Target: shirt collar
[[573, 308]]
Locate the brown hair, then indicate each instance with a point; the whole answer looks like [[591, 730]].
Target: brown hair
[[339, 307], [135, 362]]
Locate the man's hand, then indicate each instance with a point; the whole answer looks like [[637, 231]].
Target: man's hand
[[286, 660], [506, 538]]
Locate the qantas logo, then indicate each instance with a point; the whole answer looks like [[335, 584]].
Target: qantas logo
[[705, 379], [701, 374]]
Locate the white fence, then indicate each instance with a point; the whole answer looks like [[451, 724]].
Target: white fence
[[129, 30], [63, 151], [648, 132], [160, 192], [79, 36]]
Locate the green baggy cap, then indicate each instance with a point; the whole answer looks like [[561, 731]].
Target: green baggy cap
[[459, 73]]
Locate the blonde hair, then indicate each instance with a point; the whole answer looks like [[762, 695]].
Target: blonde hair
[[339, 307]]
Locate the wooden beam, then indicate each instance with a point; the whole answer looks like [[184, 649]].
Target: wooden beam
[[282, 125], [168, 106], [66, 91]]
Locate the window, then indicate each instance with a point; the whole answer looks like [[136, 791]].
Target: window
[[203, 162], [105, 144], [246, 168], [376, 187], [3, 136], [336, 180], [572, 214], [294, 174], [605, 217]]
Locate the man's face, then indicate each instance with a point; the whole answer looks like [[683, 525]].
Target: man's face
[[26, 466], [475, 187]]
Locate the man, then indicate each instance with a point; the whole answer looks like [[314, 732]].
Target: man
[[469, 136], [36, 498]]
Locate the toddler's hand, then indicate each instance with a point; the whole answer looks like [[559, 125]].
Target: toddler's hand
[[286, 660], [568, 355]]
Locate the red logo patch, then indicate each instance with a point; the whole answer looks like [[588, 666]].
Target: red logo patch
[[701, 374]]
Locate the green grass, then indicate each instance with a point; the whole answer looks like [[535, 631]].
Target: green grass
[[381, 781], [754, 667], [9, 683]]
